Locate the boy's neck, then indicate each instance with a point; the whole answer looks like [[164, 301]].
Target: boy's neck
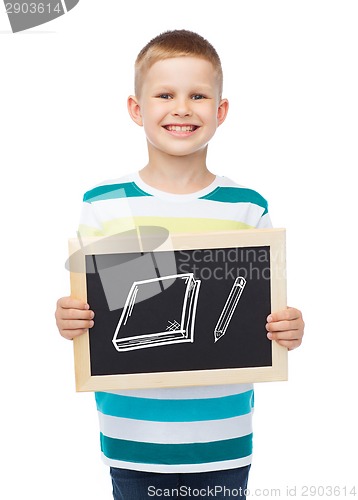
[[177, 174]]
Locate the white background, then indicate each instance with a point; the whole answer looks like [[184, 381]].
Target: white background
[[290, 71]]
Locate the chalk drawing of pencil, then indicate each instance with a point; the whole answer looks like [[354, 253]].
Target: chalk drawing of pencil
[[229, 307]]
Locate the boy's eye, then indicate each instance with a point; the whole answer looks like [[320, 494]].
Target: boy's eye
[[194, 97]]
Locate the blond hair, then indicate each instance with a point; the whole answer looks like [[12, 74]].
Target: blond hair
[[176, 43]]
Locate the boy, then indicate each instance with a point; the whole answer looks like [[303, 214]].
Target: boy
[[152, 445]]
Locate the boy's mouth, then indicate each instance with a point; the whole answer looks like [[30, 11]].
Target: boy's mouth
[[180, 128]]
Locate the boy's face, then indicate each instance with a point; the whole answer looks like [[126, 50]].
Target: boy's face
[[179, 105]]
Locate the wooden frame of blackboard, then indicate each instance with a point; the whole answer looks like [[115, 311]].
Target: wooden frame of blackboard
[[273, 239]]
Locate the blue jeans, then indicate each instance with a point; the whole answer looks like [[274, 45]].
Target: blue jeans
[[134, 485]]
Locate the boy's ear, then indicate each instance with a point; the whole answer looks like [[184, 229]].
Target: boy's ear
[[134, 110], [222, 110]]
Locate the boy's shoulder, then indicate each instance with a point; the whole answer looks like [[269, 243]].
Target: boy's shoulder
[[105, 188], [230, 191]]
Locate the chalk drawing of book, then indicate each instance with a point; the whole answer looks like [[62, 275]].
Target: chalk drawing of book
[[229, 308], [151, 319]]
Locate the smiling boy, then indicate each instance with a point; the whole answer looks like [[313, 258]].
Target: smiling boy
[[179, 105], [192, 437]]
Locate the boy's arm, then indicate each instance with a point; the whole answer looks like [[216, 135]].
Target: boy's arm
[[286, 327], [73, 317]]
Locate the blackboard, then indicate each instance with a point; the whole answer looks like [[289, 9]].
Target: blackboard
[[179, 310]]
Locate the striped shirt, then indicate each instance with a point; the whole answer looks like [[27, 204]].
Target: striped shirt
[[181, 429]]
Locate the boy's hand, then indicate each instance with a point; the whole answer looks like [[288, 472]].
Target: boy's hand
[[73, 317], [286, 327]]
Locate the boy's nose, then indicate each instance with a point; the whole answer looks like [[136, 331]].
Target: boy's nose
[[181, 108]]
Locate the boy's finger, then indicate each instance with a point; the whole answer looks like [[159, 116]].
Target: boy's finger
[[288, 314], [290, 344], [71, 303], [68, 314], [76, 324], [71, 334], [284, 335], [283, 326]]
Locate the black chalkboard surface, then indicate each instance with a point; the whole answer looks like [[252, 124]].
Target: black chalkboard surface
[[189, 311]]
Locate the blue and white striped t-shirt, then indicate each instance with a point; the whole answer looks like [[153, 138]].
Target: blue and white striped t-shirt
[[188, 429]]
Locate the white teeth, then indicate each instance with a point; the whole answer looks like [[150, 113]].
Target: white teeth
[[179, 128]]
